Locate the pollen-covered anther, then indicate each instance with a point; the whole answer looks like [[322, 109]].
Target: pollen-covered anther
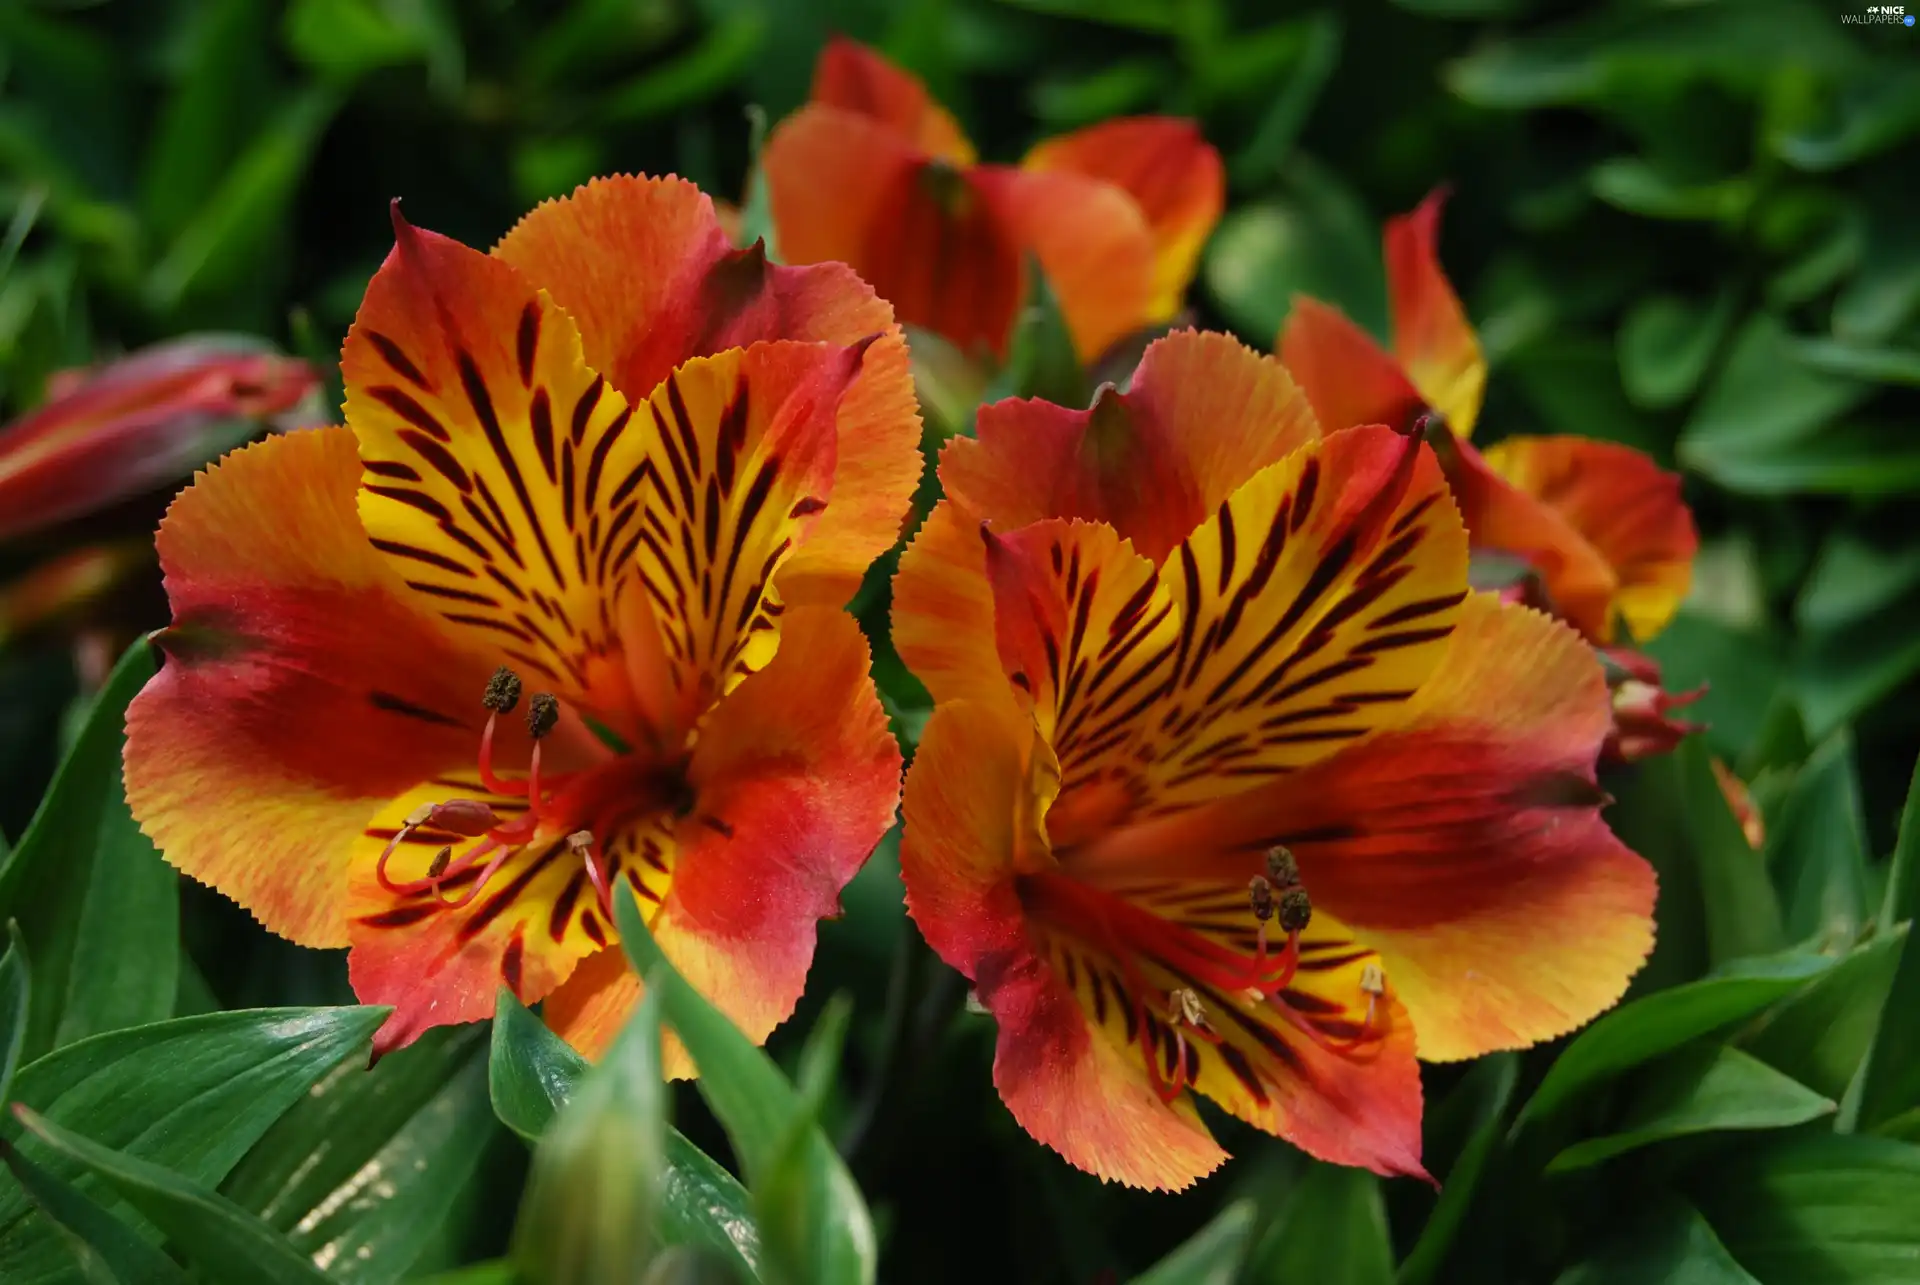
[[580, 842], [1296, 910], [441, 859], [503, 691], [543, 711], [1260, 897], [1282, 869]]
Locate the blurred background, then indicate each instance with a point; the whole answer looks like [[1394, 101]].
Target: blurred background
[[1686, 227]]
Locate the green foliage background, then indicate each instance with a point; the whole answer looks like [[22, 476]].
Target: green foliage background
[[1682, 226]]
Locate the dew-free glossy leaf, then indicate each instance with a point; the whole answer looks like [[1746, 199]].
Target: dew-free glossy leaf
[[533, 1072], [1700, 1091], [16, 998], [361, 1173], [1816, 848], [210, 1231], [756, 1105], [1820, 1036], [192, 1094], [1670, 1245], [1820, 1209], [97, 905], [1476, 1108], [1665, 345], [1331, 1231], [1644, 1029], [106, 1250]]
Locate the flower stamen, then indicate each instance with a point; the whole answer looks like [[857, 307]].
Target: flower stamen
[[502, 694]]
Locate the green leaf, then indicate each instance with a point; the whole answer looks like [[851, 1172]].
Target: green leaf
[[1867, 114], [193, 1094], [1331, 1231], [1141, 15], [210, 1231], [1644, 1029], [589, 1212], [1041, 361], [1816, 849], [16, 999], [1212, 1255], [533, 1072], [494, 1273], [1889, 1096], [419, 1119], [1700, 1091], [756, 1105], [1903, 878], [1875, 364], [98, 906], [107, 1251], [1637, 186], [1477, 1105], [1745, 669], [1272, 141], [1671, 1245], [231, 236], [1842, 673], [1665, 345], [1765, 423], [724, 49], [1821, 1035], [1820, 1209], [1855, 580]]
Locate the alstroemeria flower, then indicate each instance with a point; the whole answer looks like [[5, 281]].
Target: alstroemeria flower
[[613, 471], [1601, 527], [136, 423], [874, 173], [1233, 787]]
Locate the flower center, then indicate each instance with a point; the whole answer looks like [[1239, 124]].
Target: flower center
[[1164, 1022], [554, 800]]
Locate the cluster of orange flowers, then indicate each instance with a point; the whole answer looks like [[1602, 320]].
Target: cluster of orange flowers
[[1267, 706]]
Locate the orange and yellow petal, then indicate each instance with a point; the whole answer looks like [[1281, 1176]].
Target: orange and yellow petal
[[1171, 172], [1201, 415], [1066, 1084], [855, 78], [479, 421], [302, 686], [1625, 507], [644, 269], [593, 1004], [942, 618], [1466, 844], [1431, 334], [1091, 241], [1313, 604], [1502, 518], [935, 240], [1347, 377]]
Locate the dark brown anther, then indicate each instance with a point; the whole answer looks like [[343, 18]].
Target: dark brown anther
[[440, 862], [543, 711], [1260, 895], [1296, 910], [1282, 869], [503, 691]]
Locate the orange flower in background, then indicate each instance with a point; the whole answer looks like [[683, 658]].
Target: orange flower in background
[[1233, 787], [138, 423], [1601, 530], [616, 476], [874, 173]]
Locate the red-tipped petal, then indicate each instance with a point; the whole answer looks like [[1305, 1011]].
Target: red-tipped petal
[[1201, 415], [1431, 334], [796, 778], [1349, 379], [1171, 172], [1065, 1082], [855, 78], [302, 686], [643, 267]]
